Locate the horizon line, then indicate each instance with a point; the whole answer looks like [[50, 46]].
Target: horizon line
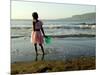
[[50, 19]]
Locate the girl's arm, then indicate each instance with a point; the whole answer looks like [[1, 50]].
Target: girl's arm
[[43, 31], [33, 26]]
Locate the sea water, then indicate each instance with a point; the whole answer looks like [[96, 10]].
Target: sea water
[[60, 48]]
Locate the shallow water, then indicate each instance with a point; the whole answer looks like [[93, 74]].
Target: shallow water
[[59, 49]]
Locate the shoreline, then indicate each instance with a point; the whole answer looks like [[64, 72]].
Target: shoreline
[[61, 36], [76, 64]]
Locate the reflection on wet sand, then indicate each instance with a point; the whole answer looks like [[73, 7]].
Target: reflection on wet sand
[[37, 57]]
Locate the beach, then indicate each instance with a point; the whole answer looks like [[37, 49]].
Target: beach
[[72, 47], [63, 54], [81, 63], [69, 37]]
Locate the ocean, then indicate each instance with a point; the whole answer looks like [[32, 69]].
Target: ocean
[[69, 39]]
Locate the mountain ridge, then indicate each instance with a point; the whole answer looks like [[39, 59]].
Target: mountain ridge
[[86, 16]]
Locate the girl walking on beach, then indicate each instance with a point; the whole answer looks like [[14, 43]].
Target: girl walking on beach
[[36, 36]]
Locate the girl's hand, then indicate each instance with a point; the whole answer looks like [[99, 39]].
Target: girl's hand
[[45, 36]]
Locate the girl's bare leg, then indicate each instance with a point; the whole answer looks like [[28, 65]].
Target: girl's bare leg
[[42, 48], [36, 48]]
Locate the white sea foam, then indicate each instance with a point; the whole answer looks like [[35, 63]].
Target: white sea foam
[[54, 28]]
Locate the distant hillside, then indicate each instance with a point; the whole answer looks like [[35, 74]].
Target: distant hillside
[[87, 16]]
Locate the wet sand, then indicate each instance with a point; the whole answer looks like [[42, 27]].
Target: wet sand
[[81, 63]]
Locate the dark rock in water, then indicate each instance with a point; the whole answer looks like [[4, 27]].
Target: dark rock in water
[[43, 69]]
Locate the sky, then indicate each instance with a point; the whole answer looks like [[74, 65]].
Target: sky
[[23, 10]]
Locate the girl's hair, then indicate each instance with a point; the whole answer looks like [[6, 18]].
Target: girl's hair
[[35, 15]]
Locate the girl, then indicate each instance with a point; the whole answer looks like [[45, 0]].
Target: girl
[[36, 36]]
